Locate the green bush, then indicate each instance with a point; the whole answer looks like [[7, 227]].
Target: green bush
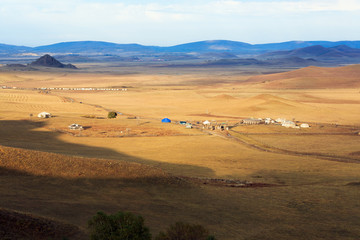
[[185, 231], [112, 115], [120, 226]]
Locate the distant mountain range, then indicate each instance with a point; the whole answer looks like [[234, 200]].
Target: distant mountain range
[[203, 53], [212, 46]]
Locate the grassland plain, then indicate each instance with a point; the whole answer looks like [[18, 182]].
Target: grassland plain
[[143, 166]]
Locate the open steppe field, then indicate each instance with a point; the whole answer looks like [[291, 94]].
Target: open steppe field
[[248, 182]]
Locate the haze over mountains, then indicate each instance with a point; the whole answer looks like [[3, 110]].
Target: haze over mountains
[[218, 52], [201, 46]]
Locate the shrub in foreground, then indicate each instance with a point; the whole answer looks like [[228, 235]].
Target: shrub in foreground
[[112, 115], [120, 226]]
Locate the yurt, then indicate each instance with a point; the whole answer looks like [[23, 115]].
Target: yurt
[[206, 122], [44, 115], [166, 120]]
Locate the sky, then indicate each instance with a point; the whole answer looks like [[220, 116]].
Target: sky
[[170, 22]]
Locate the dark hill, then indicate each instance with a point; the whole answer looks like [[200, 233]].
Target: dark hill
[[49, 61]]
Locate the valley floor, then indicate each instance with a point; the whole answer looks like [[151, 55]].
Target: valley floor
[[250, 182]]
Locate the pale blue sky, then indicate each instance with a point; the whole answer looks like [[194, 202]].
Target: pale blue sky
[[171, 22]]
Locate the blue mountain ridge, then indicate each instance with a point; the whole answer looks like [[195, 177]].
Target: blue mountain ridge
[[99, 47]]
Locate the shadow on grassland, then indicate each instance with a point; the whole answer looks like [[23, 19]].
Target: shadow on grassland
[[25, 134], [328, 212]]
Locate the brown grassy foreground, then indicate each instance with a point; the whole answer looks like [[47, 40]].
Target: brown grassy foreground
[[15, 225], [159, 170], [316, 210]]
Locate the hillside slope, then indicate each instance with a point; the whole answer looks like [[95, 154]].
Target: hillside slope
[[16, 225], [312, 77]]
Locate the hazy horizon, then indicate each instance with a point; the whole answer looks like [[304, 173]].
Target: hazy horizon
[[168, 23], [49, 44]]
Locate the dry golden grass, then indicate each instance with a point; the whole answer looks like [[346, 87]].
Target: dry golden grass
[[313, 77], [321, 210], [55, 165], [69, 177], [338, 145]]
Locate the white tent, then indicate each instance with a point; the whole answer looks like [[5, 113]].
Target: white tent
[[44, 115], [206, 122], [304, 125]]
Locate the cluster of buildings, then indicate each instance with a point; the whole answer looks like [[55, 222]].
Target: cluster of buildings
[[83, 89], [70, 89], [215, 126], [7, 87], [279, 121]]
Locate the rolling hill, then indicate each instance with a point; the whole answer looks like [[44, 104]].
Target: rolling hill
[[312, 77], [284, 62], [94, 47], [317, 52]]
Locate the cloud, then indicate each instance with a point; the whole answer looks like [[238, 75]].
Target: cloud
[[150, 21]]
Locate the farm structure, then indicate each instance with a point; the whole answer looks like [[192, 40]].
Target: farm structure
[[279, 121], [251, 121], [215, 126]]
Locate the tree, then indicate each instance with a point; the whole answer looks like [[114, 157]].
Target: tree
[[185, 231], [120, 226], [112, 115]]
